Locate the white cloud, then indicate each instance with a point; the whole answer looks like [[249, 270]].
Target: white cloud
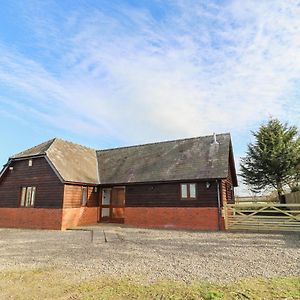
[[201, 68]]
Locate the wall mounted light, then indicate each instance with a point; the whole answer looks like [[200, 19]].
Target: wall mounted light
[[207, 185], [11, 168]]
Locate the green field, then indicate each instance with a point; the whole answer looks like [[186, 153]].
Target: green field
[[50, 284]]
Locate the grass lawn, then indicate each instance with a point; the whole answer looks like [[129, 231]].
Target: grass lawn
[[50, 284]]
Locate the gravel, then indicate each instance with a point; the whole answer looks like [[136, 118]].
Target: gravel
[[152, 254]]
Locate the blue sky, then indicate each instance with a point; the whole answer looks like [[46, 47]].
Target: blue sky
[[114, 73]]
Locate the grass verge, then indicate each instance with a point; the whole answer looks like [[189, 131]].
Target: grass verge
[[50, 284]]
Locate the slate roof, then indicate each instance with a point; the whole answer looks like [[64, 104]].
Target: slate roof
[[184, 159], [193, 158], [36, 150], [73, 162]]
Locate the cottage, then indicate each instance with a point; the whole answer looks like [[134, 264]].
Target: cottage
[[175, 184]]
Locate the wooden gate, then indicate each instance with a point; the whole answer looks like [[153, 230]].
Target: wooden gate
[[262, 217]]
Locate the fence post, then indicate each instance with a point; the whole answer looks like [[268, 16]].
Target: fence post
[[225, 216]]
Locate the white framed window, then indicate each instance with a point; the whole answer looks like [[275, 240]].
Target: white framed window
[[188, 191], [30, 163], [105, 212], [28, 194], [184, 191], [23, 196], [192, 190], [106, 193]]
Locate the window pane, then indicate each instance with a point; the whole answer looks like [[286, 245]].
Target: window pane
[[192, 190], [84, 196], [23, 194], [104, 212], [118, 197], [105, 196], [183, 191], [32, 196], [28, 196]]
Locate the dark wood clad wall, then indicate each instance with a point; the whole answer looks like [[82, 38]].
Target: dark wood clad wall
[[227, 186], [73, 196], [223, 188], [167, 195], [230, 195], [49, 189], [227, 189]]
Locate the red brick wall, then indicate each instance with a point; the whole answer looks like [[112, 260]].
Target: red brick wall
[[73, 217], [197, 218], [37, 218], [47, 218]]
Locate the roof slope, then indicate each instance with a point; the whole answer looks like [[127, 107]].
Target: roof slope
[[34, 151], [185, 159], [193, 158], [74, 163]]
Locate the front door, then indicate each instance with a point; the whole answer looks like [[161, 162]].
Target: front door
[[112, 204]]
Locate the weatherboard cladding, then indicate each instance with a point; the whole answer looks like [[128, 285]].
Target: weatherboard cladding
[[193, 158]]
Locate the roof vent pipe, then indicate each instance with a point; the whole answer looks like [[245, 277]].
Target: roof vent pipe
[[215, 142]]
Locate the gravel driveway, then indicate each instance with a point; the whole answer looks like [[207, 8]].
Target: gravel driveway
[[152, 254]]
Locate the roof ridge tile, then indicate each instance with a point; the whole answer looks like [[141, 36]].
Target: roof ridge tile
[[76, 144]]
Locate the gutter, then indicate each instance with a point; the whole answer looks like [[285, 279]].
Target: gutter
[[219, 205]]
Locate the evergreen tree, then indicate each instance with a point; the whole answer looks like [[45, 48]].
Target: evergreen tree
[[273, 159]]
